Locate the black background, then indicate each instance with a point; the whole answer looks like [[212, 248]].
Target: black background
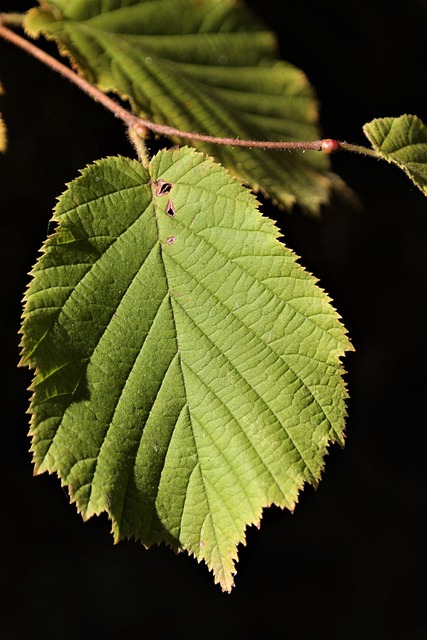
[[350, 563]]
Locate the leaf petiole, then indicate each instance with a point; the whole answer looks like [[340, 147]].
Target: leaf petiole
[[365, 151], [13, 19], [136, 138]]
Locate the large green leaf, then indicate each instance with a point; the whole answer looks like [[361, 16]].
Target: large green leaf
[[187, 368], [402, 141], [205, 66]]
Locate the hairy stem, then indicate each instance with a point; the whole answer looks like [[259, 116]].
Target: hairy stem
[[14, 19], [139, 125], [354, 148], [139, 146]]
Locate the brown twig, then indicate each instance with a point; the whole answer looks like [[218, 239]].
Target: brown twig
[[140, 125]]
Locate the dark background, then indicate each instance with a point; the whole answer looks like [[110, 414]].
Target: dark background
[[350, 563]]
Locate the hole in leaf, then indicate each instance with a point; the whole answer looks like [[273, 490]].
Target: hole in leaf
[[170, 208], [161, 187]]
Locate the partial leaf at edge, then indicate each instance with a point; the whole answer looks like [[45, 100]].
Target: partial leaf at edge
[[3, 130], [3, 136], [209, 67], [188, 369], [402, 141]]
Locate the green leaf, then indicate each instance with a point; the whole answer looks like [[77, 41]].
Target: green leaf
[[205, 66], [187, 368], [402, 141]]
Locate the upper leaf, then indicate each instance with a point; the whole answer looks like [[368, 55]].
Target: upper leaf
[[206, 66], [187, 368], [402, 141]]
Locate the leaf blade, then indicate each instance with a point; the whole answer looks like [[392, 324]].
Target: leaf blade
[[209, 68], [402, 141], [181, 386]]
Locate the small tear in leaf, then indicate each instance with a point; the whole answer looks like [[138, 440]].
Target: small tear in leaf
[[162, 188], [170, 240], [170, 208]]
